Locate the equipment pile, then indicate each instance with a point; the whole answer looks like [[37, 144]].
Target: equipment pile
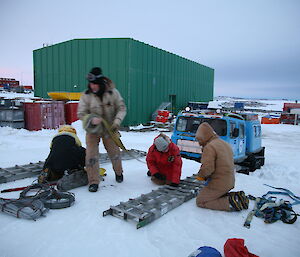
[[271, 209], [35, 200]]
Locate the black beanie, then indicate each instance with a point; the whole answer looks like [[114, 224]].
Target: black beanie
[[96, 71], [95, 75]]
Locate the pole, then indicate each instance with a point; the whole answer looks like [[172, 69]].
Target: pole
[[18, 189]]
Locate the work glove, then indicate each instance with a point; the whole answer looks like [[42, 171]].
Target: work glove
[[115, 126], [159, 176], [44, 176], [171, 158], [200, 178]]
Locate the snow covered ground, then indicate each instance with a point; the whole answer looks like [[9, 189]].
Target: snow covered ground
[[81, 230], [257, 104]]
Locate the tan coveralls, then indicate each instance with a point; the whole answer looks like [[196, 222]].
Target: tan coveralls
[[111, 108]]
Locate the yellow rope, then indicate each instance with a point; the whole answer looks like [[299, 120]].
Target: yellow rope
[[116, 138]]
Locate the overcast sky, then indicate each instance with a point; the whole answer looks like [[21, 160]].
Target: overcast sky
[[254, 46]]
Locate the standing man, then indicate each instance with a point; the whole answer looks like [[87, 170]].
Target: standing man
[[101, 103], [217, 166], [164, 162]]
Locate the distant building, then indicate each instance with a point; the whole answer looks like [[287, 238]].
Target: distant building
[[9, 82]]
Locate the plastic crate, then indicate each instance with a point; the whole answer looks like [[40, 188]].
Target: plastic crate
[[11, 115], [12, 124], [164, 113]]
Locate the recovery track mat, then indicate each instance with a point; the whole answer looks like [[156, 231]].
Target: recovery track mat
[[34, 169], [149, 207]]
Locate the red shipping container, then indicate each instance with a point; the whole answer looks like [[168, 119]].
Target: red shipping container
[[289, 118], [164, 113], [58, 113], [71, 112], [288, 106], [32, 115]]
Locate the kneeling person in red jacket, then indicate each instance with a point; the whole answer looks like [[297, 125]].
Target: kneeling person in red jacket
[[164, 161]]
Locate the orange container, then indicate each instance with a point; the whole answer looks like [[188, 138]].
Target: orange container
[[266, 120]]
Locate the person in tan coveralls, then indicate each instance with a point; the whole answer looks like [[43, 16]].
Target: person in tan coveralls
[[217, 166], [101, 101]]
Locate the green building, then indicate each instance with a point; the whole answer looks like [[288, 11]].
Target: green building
[[146, 76]]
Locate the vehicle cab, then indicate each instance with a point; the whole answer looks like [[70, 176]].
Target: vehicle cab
[[231, 128]]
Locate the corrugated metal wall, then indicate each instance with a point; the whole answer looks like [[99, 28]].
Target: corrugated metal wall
[[155, 74], [63, 67], [145, 76]]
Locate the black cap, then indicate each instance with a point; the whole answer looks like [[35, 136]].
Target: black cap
[[94, 75]]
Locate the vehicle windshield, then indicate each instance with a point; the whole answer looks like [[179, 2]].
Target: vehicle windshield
[[191, 124]]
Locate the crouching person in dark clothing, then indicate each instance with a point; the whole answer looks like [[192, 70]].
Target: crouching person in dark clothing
[[66, 154], [164, 161]]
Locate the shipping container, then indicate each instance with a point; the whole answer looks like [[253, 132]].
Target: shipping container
[[12, 124], [287, 118], [288, 106], [146, 76], [270, 119], [11, 114]]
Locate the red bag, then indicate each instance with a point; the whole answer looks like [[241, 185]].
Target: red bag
[[234, 247]]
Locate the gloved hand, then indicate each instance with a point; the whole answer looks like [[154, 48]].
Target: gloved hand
[[116, 125], [200, 178], [171, 158], [174, 184], [96, 121], [44, 176], [160, 176]]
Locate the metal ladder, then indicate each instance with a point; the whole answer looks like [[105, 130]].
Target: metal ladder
[[149, 207], [33, 169]]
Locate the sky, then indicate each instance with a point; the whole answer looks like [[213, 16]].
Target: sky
[[253, 46]]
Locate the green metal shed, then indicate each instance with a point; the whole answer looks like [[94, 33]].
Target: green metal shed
[[145, 75]]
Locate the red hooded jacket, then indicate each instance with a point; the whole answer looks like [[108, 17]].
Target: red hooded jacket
[[167, 163]]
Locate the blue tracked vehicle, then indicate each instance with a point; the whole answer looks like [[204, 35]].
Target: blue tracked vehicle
[[242, 131]]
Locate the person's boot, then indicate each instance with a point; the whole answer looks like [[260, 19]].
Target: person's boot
[[243, 199], [235, 204], [119, 178], [93, 188]]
